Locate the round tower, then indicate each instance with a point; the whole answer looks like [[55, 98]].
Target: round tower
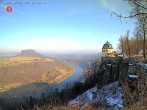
[[107, 50]]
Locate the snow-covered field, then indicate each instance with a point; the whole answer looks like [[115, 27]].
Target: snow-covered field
[[109, 95]]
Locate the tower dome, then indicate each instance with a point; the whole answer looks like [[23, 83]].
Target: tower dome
[[107, 50], [107, 45]]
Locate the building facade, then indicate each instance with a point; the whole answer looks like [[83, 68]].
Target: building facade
[[107, 50]]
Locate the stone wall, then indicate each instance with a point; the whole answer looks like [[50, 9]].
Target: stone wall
[[133, 80]]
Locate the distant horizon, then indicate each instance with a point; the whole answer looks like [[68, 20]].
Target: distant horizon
[[56, 51], [47, 54], [45, 51]]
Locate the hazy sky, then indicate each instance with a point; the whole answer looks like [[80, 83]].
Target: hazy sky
[[62, 25]]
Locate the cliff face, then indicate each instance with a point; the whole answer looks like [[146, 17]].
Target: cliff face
[[29, 53], [107, 92], [124, 84]]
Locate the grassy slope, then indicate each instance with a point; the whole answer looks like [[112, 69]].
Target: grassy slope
[[18, 71]]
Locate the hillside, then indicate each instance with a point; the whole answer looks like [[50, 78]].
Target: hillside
[[19, 71], [29, 53], [84, 61]]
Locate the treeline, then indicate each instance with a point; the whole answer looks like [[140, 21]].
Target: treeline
[[131, 46]]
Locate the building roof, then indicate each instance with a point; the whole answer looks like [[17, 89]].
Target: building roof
[[107, 45]]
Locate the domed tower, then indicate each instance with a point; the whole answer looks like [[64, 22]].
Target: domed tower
[[107, 50]]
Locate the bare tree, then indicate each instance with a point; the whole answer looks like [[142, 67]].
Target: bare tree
[[125, 44], [122, 45], [132, 46], [139, 11], [128, 43], [137, 40], [142, 29], [139, 8]]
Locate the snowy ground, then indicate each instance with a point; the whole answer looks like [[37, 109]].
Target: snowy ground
[[109, 95]]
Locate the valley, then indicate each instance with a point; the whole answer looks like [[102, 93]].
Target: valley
[[19, 71], [30, 74]]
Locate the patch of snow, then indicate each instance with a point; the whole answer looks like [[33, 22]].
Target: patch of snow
[[113, 65], [82, 81], [142, 64], [89, 95], [117, 102], [110, 95], [109, 64], [145, 65], [130, 64], [132, 76]]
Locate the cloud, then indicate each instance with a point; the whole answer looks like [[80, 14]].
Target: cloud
[[110, 5], [118, 6]]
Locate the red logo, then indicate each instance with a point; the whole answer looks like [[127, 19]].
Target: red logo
[[9, 9]]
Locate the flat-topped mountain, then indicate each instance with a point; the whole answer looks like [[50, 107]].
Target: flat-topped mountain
[[29, 53]]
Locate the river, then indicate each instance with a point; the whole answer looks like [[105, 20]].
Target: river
[[70, 81], [63, 85]]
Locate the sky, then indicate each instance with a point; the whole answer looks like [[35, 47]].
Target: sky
[[62, 25]]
